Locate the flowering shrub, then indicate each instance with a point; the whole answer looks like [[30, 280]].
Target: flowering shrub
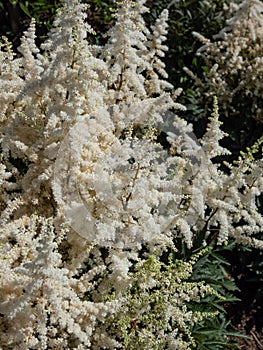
[[98, 181]]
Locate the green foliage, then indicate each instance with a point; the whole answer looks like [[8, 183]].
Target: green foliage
[[212, 334], [213, 268], [215, 332], [16, 16], [102, 10], [39, 8]]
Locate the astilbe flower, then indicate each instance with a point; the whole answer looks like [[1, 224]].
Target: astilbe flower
[[11, 81], [136, 198], [234, 62], [156, 52], [52, 297], [98, 192], [42, 303], [123, 54], [46, 105], [231, 197], [155, 315]]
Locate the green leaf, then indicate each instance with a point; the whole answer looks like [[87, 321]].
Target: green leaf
[[25, 9]]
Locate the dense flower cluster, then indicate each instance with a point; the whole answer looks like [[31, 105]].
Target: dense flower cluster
[[234, 61], [98, 180], [150, 318]]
